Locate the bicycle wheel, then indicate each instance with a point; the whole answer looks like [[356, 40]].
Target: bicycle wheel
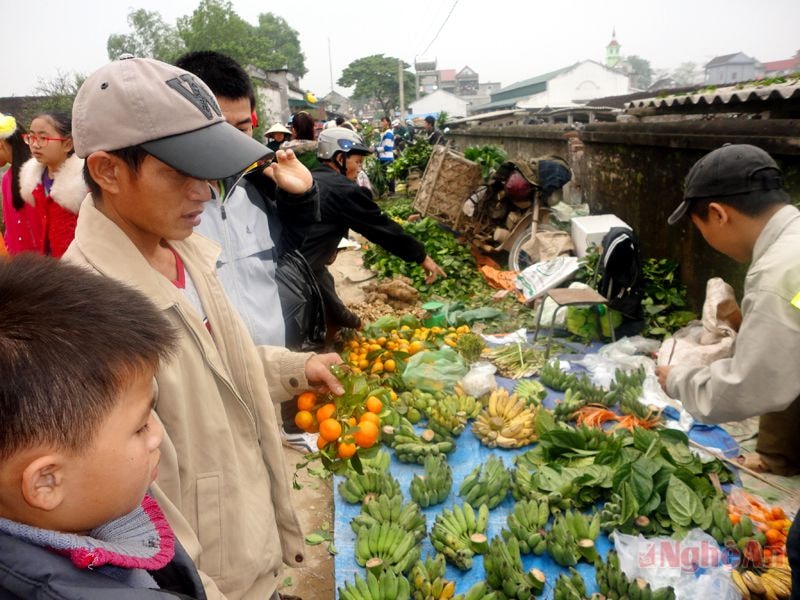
[[519, 259]]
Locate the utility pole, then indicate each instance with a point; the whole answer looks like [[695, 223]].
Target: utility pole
[[402, 94], [330, 63]]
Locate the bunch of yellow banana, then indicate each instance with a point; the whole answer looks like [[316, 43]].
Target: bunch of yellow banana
[[774, 583], [507, 421], [428, 582]]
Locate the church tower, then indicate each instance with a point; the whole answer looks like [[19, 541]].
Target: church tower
[[612, 51]]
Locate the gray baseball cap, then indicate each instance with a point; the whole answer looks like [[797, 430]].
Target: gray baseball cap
[[167, 111], [732, 170]]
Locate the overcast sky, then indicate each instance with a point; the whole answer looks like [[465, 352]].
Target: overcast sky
[[503, 41]]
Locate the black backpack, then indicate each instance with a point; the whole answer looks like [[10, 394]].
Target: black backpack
[[301, 301], [620, 270]]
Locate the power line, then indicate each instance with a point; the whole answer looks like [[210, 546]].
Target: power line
[[440, 29]]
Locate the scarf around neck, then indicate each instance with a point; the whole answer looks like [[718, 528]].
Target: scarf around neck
[[125, 548]]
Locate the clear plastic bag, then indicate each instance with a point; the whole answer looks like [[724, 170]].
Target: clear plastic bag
[[480, 379], [435, 370], [695, 566]]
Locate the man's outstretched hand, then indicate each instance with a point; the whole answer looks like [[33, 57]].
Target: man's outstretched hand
[[289, 173], [433, 270]]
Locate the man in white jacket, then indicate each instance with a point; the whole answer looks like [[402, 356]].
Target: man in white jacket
[[734, 196]]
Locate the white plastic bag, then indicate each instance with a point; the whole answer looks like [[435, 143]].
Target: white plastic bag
[[480, 379], [701, 343], [540, 277], [695, 566]]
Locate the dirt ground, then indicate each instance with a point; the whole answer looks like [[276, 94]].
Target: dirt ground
[[314, 501]]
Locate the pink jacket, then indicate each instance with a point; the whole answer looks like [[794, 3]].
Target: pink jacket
[[23, 226]]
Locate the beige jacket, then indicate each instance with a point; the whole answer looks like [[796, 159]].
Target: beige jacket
[[222, 480]]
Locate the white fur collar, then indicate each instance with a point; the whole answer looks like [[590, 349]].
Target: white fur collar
[[68, 189]]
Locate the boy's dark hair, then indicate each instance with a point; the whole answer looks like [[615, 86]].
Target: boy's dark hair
[[62, 121], [339, 120], [20, 152], [225, 76], [303, 124], [430, 120], [69, 342], [133, 157]]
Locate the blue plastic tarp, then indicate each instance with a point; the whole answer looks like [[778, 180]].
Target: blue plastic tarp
[[468, 454]]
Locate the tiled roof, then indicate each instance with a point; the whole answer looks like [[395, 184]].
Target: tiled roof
[[782, 65]]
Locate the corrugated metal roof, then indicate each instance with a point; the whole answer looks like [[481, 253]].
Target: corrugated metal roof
[[734, 94]]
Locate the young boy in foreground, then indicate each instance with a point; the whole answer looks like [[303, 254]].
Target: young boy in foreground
[[79, 445]]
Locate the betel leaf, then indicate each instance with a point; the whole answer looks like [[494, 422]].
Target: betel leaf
[[641, 480], [683, 505], [629, 507], [643, 438]]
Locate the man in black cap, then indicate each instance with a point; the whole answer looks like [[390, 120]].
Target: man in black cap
[[734, 196]]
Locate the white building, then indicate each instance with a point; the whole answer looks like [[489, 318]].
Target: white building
[[574, 85], [439, 101]]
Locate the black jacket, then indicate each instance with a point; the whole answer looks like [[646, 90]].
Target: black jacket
[[34, 573], [345, 205]]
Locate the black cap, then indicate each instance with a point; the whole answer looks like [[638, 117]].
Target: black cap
[[733, 170]]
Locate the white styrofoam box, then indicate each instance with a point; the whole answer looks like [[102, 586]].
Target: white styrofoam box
[[588, 231]]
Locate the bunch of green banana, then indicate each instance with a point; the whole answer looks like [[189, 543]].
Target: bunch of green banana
[[379, 461], [614, 584], [526, 523], [553, 377], [523, 488], [531, 391], [569, 405], [459, 534], [507, 422], [412, 448], [386, 546], [358, 486], [570, 587], [584, 529], [745, 532], [445, 420], [467, 404], [433, 487], [488, 483], [385, 586], [771, 583], [428, 582], [385, 509], [611, 515], [561, 543], [504, 573], [721, 526]]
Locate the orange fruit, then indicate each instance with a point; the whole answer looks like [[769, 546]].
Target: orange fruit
[[304, 420], [389, 365], [345, 449], [366, 435], [415, 347], [325, 411], [374, 405], [370, 416], [377, 367], [321, 442], [330, 429], [352, 422], [306, 401]]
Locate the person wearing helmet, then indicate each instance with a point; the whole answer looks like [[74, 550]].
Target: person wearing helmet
[[345, 205]]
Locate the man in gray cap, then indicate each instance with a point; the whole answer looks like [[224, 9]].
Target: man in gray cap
[[735, 197], [152, 136]]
